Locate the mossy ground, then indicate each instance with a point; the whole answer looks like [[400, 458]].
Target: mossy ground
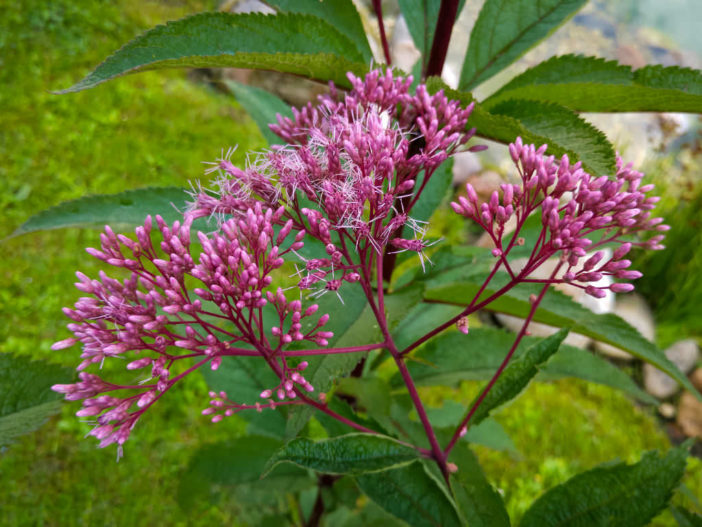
[[155, 129]]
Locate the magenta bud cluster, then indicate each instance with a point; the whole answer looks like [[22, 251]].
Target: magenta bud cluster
[[579, 215]]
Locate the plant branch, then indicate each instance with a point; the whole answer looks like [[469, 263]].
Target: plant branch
[[378, 8]]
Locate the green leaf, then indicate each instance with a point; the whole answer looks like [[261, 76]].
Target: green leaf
[[453, 357], [612, 495], [478, 501], [539, 123], [563, 127], [686, 518], [122, 211], [262, 106], [490, 433], [517, 374], [411, 494], [239, 463], [591, 84], [347, 454], [291, 43], [506, 29], [26, 399], [421, 17], [341, 14], [559, 310]]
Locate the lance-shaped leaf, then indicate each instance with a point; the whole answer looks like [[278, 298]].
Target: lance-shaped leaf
[[540, 123], [341, 14], [621, 494], [262, 106], [26, 399], [411, 494], [347, 454], [288, 42], [591, 84], [478, 501], [453, 357], [122, 211], [506, 29], [436, 189], [517, 375], [559, 310]]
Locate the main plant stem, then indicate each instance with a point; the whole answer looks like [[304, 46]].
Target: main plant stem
[[442, 37], [436, 452]]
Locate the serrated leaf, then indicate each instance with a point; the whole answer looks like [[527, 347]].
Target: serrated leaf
[[262, 106], [591, 84], [506, 29], [288, 42], [620, 495], [559, 310], [239, 463], [421, 17], [538, 123], [122, 211], [341, 14], [517, 375], [478, 501], [564, 127], [411, 494], [453, 357], [26, 399], [347, 454]]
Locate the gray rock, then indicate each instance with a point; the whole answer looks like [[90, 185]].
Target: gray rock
[[684, 355]]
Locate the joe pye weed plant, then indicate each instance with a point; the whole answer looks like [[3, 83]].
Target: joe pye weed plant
[[307, 288]]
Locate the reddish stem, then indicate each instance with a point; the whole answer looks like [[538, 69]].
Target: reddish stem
[[378, 8], [442, 36]]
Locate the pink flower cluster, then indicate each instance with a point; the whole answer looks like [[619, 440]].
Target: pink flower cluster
[[579, 214], [172, 311], [352, 169]]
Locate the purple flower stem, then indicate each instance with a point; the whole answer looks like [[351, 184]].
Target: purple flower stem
[[378, 8], [442, 36], [436, 453], [496, 376]]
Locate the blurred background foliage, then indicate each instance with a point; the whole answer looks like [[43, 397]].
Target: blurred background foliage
[[156, 129]]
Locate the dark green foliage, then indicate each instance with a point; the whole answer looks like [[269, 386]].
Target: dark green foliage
[[559, 310], [341, 14], [121, 211], [291, 43], [538, 123], [506, 29], [517, 375], [686, 518], [411, 494], [347, 454], [453, 357], [591, 84], [480, 504], [238, 465], [421, 17], [611, 495], [26, 399]]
